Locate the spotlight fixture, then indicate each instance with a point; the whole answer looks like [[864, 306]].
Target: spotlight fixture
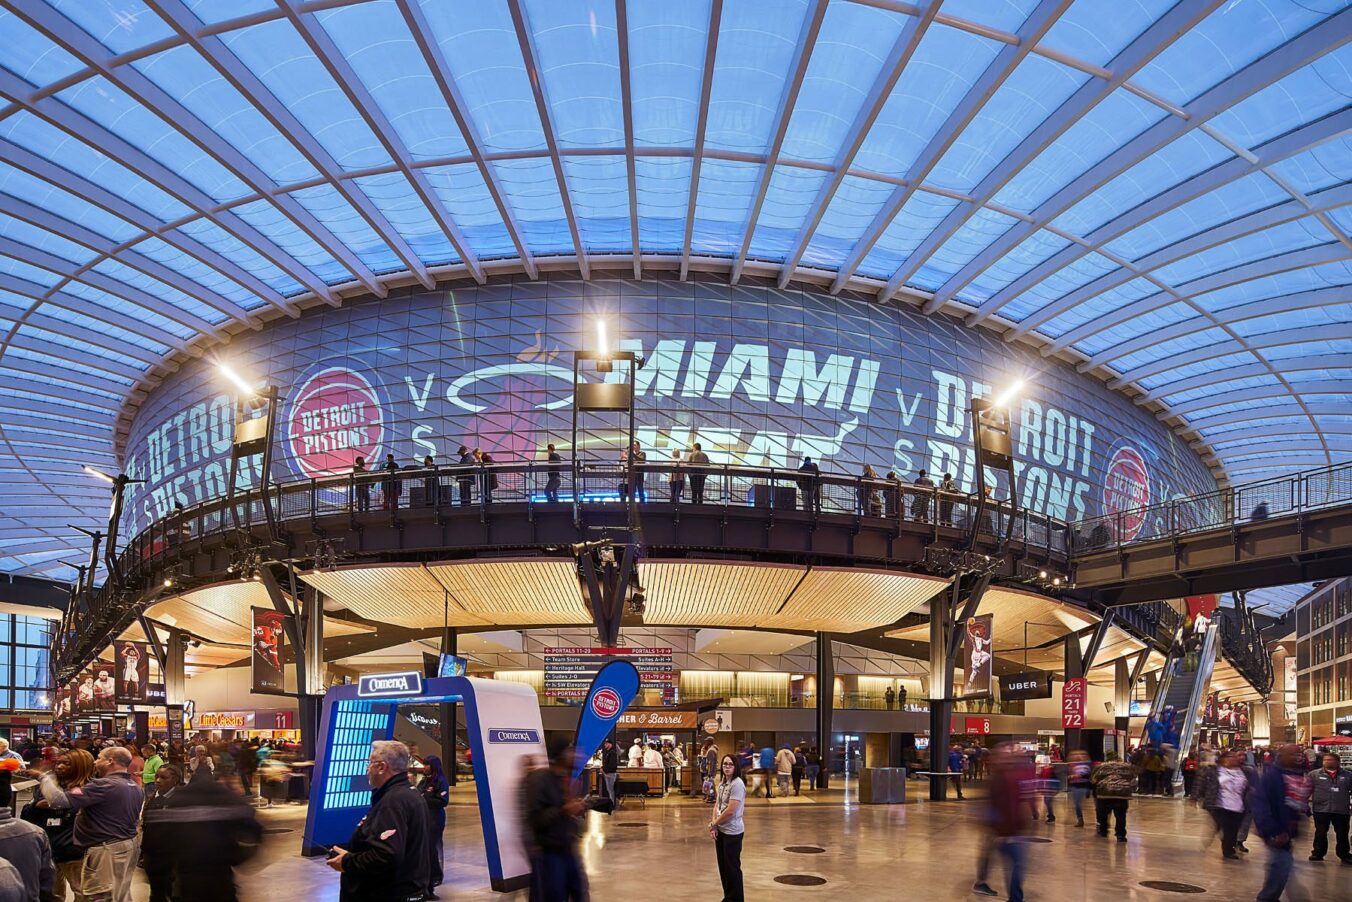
[[98, 474], [237, 380]]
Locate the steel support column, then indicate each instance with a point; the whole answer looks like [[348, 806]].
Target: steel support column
[[960, 603], [175, 681], [1074, 664], [1122, 695], [450, 642], [826, 699], [310, 695]]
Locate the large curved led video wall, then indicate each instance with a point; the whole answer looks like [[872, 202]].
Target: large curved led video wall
[[757, 375]]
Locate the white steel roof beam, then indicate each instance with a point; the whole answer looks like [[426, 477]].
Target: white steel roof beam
[[879, 93], [627, 105], [527, 45], [131, 323], [1316, 406], [347, 80], [807, 42], [219, 56], [441, 73], [1283, 147], [1244, 371], [1226, 348], [1304, 300], [1157, 38], [92, 240], [1006, 61], [1314, 43], [86, 130], [44, 370], [101, 197], [1256, 393], [158, 101], [701, 126], [1270, 217], [1256, 269]]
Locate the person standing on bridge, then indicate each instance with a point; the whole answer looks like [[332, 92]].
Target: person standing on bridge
[[465, 480], [361, 489], [677, 477], [698, 461], [554, 461], [920, 505], [810, 483], [431, 482]]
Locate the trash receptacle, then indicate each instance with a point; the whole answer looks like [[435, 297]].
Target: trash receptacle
[[882, 785]]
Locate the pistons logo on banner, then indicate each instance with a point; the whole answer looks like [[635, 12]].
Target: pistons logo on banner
[[612, 691], [336, 417], [1126, 491]]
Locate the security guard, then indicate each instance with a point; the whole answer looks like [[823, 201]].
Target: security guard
[[386, 858], [1331, 787]]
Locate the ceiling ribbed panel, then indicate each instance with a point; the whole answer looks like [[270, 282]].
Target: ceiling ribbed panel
[[690, 593], [516, 592], [405, 596], [845, 600]]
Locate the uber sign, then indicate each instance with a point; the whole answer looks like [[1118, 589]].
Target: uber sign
[[375, 685], [1029, 684]]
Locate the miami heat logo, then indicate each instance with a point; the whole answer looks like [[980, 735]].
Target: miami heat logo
[[335, 418], [1126, 491]]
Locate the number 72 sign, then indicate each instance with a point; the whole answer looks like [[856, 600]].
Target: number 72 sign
[[1072, 703]]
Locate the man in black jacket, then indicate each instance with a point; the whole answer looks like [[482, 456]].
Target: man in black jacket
[[610, 767], [465, 480], [698, 461], [213, 830], [386, 859], [552, 827], [1330, 791]]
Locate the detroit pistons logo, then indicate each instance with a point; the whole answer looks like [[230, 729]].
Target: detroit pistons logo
[[335, 418], [1126, 491], [605, 704]]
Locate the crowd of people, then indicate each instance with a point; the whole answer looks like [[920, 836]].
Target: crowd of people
[[181, 812], [889, 495]]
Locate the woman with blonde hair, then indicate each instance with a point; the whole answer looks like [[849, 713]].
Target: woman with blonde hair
[[73, 768]]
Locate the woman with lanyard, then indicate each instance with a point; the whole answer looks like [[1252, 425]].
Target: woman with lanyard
[[727, 829], [436, 792]]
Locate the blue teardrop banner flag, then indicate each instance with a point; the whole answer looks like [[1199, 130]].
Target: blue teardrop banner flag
[[612, 691]]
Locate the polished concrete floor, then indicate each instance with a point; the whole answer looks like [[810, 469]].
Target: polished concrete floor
[[922, 851]]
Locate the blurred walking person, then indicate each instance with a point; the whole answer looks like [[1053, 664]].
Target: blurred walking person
[[107, 821], [212, 830], [1279, 806], [1077, 776], [1223, 792], [159, 839], [553, 824], [436, 792], [24, 845], [1330, 789], [72, 769], [1114, 782], [1006, 821], [727, 828]]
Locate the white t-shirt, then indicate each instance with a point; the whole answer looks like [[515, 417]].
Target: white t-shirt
[[1233, 785], [635, 755], [652, 758], [731, 792]]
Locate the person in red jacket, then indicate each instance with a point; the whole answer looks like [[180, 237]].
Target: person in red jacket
[[1006, 818]]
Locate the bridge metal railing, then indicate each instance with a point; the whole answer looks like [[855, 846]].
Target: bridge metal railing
[[1222, 509]]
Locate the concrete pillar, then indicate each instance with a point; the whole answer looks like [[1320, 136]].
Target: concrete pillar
[[1260, 724], [826, 698], [310, 696]]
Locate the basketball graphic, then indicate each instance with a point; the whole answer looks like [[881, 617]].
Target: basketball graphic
[[335, 418]]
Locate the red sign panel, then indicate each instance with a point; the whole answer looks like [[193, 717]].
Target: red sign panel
[[978, 726], [1072, 703]]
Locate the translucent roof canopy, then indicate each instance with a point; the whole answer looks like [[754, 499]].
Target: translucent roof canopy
[[1158, 190]]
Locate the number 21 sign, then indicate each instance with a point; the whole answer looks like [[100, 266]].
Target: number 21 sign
[[1072, 703]]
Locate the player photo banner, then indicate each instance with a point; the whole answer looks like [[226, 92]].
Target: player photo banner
[[269, 638], [132, 672], [105, 687], [977, 657], [84, 692]]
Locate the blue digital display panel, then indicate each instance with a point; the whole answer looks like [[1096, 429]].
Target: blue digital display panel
[[757, 375], [355, 726]]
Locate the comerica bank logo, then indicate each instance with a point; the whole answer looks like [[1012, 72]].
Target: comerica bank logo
[[381, 684], [335, 419], [521, 736]]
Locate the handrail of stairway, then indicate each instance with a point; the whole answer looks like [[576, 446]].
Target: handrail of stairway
[[1227, 508]]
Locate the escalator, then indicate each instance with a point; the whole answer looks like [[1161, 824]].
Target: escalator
[[1184, 684]]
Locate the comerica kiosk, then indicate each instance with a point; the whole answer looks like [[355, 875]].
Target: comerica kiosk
[[502, 724]]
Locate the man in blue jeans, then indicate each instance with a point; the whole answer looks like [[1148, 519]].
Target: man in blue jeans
[[1279, 806]]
